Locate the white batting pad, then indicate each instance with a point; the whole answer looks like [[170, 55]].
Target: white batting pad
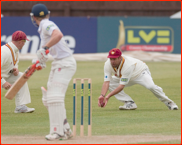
[[65, 123], [44, 97], [56, 119]]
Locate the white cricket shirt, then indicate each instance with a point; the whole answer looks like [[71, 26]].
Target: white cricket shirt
[[59, 50], [129, 69], [9, 60]]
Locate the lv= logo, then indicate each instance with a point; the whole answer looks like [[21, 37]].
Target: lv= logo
[[145, 38]]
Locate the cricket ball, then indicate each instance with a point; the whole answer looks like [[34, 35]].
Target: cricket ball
[[102, 104]]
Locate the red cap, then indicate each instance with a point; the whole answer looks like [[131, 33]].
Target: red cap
[[19, 35], [114, 53]]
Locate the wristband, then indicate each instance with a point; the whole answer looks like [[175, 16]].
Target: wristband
[[102, 95], [46, 47]]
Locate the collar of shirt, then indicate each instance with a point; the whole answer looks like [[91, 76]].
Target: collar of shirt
[[118, 70], [120, 66], [41, 23], [13, 47]]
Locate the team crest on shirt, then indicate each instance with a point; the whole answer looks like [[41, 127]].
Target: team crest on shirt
[[124, 79], [48, 27], [105, 76]]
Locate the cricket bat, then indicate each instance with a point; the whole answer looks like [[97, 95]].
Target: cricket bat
[[21, 81]]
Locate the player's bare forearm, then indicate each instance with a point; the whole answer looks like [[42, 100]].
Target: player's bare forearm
[[105, 88], [116, 91], [55, 38]]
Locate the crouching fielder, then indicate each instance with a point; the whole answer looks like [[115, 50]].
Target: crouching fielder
[[128, 71], [62, 70], [10, 73]]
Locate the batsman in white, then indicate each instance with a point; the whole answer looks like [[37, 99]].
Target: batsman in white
[[62, 70], [128, 71], [10, 72]]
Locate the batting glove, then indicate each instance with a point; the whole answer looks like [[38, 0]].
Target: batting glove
[[39, 65], [42, 56]]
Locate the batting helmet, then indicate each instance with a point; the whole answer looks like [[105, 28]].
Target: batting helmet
[[39, 10]]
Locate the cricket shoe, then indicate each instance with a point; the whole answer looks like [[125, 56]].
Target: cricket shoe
[[23, 109], [55, 136], [172, 106], [69, 133], [129, 105]]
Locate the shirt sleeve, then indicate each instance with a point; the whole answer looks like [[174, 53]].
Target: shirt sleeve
[[3, 81], [127, 75], [4, 58], [107, 73], [49, 28]]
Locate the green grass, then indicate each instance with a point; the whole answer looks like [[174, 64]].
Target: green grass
[[163, 142], [151, 116]]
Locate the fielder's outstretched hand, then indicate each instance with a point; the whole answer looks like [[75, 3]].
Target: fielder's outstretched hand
[[106, 99], [101, 101]]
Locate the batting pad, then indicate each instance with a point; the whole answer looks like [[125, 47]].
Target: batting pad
[[44, 97], [56, 117]]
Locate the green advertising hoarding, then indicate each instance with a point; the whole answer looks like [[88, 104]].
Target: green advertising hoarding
[[159, 34]]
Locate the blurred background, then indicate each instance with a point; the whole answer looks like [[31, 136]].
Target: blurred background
[[95, 8], [147, 30], [98, 26]]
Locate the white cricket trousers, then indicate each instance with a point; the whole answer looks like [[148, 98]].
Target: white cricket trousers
[[23, 96], [145, 80], [61, 73]]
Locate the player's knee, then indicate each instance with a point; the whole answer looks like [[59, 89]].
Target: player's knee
[[56, 94], [55, 99], [150, 87]]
